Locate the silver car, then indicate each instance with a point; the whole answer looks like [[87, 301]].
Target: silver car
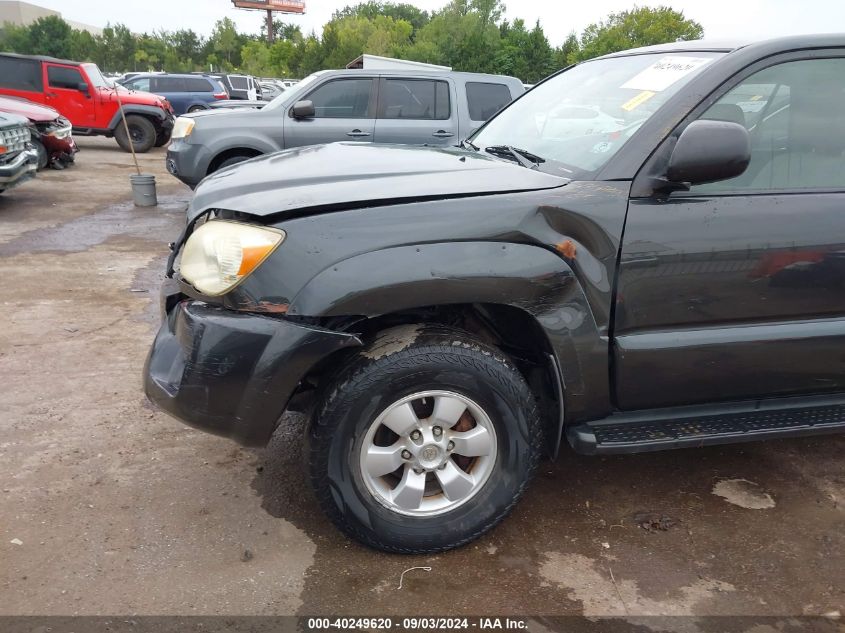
[[407, 107]]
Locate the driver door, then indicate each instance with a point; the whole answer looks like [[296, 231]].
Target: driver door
[[61, 90], [344, 111], [735, 290]]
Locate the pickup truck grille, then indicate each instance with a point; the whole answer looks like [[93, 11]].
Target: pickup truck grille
[[14, 139]]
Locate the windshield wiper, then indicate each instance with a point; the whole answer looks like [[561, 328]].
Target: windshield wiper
[[522, 156]]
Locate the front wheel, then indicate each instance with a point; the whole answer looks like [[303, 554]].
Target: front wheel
[[424, 441], [162, 138], [43, 157], [141, 131]]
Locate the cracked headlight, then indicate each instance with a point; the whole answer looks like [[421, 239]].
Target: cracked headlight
[[220, 254]]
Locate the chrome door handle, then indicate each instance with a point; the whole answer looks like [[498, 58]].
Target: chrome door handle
[[442, 134], [357, 133]]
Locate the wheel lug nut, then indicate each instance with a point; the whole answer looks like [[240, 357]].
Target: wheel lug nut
[[406, 454], [416, 435], [437, 431], [450, 446], [419, 471]]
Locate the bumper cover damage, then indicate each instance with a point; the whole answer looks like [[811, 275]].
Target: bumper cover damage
[[232, 373], [18, 168]]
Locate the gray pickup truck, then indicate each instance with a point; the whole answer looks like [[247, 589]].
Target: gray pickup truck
[[18, 158], [406, 107]]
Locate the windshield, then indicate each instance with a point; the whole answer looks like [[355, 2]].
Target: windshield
[[95, 75], [578, 120], [291, 94]]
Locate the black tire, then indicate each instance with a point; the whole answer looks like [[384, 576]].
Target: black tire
[[141, 129], [43, 158], [162, 139], [398, 363], [196, 108], [233, 160]]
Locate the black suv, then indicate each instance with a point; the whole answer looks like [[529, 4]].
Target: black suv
[[645, 251]]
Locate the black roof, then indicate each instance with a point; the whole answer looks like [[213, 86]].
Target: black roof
[[42, 58]]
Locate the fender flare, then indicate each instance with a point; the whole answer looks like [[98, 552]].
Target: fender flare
[[532, 278], [128, 109]]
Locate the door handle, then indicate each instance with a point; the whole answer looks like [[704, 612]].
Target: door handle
[[442, 134], [357, 133], [51, 95]]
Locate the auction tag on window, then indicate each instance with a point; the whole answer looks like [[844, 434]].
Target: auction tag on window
[[664, 72], [637, 101]]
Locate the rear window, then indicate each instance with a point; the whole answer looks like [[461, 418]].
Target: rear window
[[419, 99], [64, 77], [486, 99], [197, 84], [20, 74], [239, 83]]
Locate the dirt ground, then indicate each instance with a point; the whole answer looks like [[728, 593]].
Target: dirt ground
[[108, 506]]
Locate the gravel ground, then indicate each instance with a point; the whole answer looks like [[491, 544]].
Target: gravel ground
[[110, 507]]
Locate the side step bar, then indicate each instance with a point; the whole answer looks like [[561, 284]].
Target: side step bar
[[682, 427]]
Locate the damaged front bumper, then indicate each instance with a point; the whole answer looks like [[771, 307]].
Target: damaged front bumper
[[18, 168], [232, 373]]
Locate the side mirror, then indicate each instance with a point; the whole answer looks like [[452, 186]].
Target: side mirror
[[709, 151], [82, 87], [303, 110]]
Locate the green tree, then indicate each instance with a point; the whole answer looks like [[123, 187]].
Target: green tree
[[416, 17], [641, 26], [256, 58], [187, 46], [15, 39], [50, 36], [347, 38], [83, 46], [225, 41]]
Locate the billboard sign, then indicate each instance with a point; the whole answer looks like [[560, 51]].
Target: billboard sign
[[283, 6]]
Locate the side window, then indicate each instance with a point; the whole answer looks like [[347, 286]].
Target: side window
[[197, 84], [139, 84], [415, 99], [486, 99], [343, 99], [64, 77], [795, 115], [168, 84], [21, 74]]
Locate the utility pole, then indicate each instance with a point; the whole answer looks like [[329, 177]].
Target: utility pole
[[271, 35]]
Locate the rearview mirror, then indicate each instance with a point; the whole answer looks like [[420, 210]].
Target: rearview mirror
[[709, 151], [82, 87], [303, 110]]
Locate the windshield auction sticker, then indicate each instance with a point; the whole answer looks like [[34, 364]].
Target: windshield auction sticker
[[637, 101], [664, 72]]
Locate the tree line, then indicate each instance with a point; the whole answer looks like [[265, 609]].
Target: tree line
[[468, 35]]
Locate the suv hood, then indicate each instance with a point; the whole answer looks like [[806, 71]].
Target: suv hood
[[11, 120], [32, 111], [349, 175], [134, 97]]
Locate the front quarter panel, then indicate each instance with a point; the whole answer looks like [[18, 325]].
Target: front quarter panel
[[550, 253]]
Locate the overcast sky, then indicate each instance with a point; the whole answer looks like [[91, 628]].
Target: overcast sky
[[722, 19]]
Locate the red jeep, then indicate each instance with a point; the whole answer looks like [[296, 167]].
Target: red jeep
[[81, 94]]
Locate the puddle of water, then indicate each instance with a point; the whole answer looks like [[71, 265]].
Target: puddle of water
[[743, 493], [118, 220]]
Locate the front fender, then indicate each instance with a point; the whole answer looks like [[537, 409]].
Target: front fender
[[130, 108], [531, 278]]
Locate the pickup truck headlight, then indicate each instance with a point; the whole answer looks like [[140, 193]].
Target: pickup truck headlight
[[221, 253], [182, 128]]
